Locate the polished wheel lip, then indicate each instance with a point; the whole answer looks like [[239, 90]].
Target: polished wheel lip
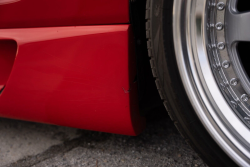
[[190, 39]]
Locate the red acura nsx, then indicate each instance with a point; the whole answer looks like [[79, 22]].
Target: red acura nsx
[[103, 65]]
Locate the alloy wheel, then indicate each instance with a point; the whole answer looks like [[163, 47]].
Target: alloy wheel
[[206, 38]]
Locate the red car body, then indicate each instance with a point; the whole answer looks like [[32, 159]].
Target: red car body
[[69, 63]]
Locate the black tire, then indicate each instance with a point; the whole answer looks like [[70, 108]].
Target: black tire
[[164, 67]]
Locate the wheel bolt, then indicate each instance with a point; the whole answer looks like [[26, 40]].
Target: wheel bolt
[[234, 104], [221, 45], [219, 26], [221, 6], [244, 98], [226, 64], [234, 82]]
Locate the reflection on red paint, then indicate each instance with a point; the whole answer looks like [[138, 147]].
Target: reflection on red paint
[[5, 2]]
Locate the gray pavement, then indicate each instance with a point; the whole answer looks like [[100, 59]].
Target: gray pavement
[[32, 144]]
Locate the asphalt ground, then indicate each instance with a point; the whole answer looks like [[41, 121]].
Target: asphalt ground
[[25, 144]]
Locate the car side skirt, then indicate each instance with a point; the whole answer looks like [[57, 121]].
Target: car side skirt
[[79, 76]]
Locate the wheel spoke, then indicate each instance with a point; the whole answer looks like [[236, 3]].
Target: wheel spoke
[[238, 27]]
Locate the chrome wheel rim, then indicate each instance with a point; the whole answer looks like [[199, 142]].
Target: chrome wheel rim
[[212, 77]]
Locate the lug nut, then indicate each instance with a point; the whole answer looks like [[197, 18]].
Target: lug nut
[[226, 64], [221, 45], [219, 26], [221, 6], [234, 82], [244, 98]]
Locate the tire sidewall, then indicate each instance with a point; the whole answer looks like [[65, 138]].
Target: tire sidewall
[[170, 86]]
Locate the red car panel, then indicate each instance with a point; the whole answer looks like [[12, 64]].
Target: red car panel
[[80, 77], [48, 13]]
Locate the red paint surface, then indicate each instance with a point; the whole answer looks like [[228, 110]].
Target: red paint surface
[[74, 76], [48, 13]]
